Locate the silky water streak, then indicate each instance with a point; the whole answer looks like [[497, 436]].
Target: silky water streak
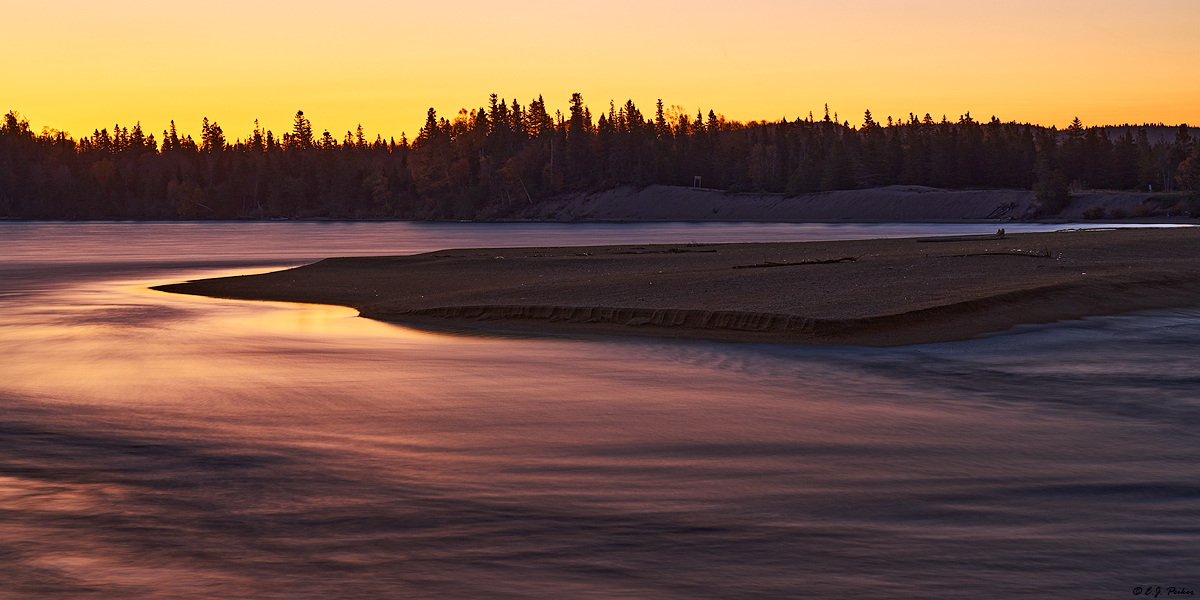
[[164, 446]]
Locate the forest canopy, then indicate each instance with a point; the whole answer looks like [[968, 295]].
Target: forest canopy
[[491, 161]]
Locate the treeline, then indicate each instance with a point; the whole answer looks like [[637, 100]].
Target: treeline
[[493, 161]]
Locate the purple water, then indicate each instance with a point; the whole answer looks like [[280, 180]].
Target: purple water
[[162, 446]]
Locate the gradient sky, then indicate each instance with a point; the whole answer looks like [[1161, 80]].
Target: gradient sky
[[76, 65]]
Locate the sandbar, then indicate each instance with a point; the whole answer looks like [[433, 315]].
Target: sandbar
[[882, 292]]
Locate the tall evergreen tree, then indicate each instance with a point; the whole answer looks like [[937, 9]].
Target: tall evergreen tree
[[302, 132]]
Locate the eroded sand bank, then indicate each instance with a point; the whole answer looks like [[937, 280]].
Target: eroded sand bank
[[863, 292]]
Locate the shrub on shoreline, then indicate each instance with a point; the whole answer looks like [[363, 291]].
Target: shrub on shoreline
[[1143, 210]]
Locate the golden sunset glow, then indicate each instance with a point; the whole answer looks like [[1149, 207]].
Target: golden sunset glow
[[77, 65]]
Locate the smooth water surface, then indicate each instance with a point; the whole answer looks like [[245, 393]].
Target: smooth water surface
[[163, 446]]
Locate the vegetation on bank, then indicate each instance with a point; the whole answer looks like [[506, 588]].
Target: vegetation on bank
[[495, 160]]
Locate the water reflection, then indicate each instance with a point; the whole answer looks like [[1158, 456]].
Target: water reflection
[[316, 320], [163, 446]]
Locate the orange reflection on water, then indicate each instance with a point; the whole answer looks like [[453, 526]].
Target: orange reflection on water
[[162, 446], [122, 343], [284, 317]]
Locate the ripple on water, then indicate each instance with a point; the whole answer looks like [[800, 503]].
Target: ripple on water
[[157, 446]]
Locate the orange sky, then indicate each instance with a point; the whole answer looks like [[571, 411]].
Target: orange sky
[[77, 65]]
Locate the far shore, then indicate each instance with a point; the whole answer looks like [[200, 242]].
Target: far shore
[[890, 204], [883, 292]]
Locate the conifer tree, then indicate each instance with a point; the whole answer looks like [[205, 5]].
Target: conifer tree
[[212, 138], [302, 133]]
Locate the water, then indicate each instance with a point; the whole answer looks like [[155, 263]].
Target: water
[[162, 446]]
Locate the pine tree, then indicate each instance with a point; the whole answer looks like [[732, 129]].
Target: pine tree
[[171, 140], [257, 143], [137, 139], [868, 121], [212, 138], [302, 133], [660, 119], [430, 130]]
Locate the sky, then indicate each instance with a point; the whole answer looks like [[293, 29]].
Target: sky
[[77, 65]]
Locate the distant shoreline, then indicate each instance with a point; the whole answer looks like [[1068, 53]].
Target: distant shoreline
[[884, 292], [891, 204], [522, 164]]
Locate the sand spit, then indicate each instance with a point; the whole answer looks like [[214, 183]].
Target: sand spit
[[895, 203], [864, 292]]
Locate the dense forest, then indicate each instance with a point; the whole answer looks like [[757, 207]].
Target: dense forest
[[490, 162]]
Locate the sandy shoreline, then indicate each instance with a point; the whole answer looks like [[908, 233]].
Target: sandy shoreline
[[864, 292], [891, 204]]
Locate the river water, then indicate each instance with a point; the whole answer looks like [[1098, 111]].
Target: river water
[[163, 446]]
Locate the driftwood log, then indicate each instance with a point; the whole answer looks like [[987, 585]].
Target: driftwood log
[[999, 235], [1044, 253], [797, 263]]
